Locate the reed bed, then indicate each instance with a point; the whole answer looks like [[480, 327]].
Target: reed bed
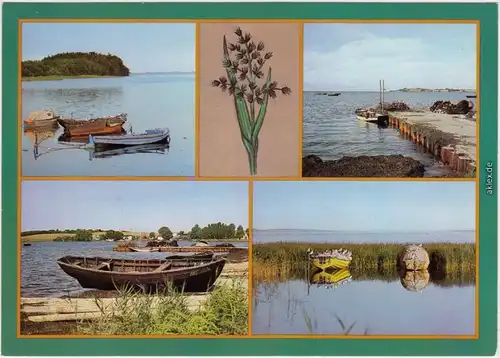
[[225, 312], [285, 260]]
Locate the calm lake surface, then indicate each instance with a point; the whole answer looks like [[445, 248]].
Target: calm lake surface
[[41, 276], [331, 130], [150, 100], [317, 236], [376, 304]]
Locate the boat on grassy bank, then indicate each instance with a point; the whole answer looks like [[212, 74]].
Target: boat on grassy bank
[[145, 275], [330, 259]]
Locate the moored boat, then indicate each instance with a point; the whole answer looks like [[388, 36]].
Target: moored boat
[[143, 249], [197, 256], [150, 136], [370, 116], [97, 128], [144, 275], [110, 121], [333, 259]]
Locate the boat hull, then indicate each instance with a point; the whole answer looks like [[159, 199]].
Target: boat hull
[[184, 276], [41, 123], [67, 123], [324, 263], [140, 249], [132, 139], [94, 129]]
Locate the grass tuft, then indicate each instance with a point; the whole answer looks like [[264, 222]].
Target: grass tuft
[[225, 312]]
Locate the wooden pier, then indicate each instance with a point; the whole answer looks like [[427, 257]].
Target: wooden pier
[[450, 138]]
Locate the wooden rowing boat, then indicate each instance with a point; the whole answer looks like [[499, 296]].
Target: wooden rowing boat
[[145, 275], [110, 121], [143, 249], [331, 259], [40, 119], [197, 256], [201, 249], [97, 128], [148, 137]]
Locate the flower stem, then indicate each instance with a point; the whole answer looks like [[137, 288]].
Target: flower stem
[[252, 152]]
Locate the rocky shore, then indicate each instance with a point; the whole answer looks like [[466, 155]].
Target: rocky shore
[[397, 166]]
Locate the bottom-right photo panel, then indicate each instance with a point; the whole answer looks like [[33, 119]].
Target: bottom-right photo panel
[[364, 258]]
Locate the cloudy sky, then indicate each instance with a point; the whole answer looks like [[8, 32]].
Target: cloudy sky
[[355, 56], [143, 47]]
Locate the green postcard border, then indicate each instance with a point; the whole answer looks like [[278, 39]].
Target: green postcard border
[[487, 342]]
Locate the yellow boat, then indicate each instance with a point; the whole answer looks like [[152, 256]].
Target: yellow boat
[[336, 277], [323, 262]]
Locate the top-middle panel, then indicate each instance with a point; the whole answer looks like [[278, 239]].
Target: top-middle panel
[[249, 121]]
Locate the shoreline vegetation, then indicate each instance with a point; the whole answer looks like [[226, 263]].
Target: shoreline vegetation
[[212, 232], [449, 262], [73, 65], [413, 89]]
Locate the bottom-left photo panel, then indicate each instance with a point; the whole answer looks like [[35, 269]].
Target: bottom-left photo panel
[[153, 258]]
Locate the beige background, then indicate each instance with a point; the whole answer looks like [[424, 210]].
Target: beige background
[[221, 150]]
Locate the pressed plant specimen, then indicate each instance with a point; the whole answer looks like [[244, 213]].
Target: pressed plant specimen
[[244, 62]]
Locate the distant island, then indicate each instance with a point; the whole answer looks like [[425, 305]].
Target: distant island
[[74, 64], [417, 89]]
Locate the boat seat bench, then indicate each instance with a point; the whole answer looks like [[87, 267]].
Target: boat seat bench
[[163, 267]]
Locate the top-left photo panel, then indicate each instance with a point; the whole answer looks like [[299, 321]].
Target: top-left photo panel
[[107, 99]]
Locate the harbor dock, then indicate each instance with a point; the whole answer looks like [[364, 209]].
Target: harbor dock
[[450, 138], [44, 315]]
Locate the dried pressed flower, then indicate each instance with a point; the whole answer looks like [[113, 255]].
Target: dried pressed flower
[[244, 65]]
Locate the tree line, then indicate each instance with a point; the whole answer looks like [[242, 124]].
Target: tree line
[[76, 64], [212, 232]]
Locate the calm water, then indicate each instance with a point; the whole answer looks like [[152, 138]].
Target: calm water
[[377, 303], [313, 236], [41, 276], [151, 101], [375, 307], [332, 131]]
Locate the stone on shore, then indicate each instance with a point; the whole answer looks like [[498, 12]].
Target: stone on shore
[[363, 166], [462, 107]]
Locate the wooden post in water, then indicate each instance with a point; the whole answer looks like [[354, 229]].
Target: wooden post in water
[[380, 92], [383, 95]]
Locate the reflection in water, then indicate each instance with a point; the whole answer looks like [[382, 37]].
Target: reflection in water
[[415, 280], [103, 152], [331, 278], [161, 149], [39, 135], [374, 302]]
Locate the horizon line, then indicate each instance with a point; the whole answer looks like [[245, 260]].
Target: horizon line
[[364, 231]]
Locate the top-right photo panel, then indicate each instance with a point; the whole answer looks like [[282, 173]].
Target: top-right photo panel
[[390, 100]]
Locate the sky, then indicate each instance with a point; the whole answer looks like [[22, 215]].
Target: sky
[[364, 206], [143, 47], [132, 205], [354, 57]]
